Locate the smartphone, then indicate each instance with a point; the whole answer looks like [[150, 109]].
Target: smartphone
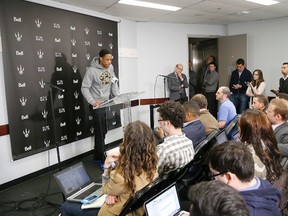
[[89, 199]]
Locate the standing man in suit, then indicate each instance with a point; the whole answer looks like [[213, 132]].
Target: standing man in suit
[[283, 82], [238, 86], [277, 113], [177, 84]]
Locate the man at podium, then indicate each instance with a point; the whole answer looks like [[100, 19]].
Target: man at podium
[[98, 85]]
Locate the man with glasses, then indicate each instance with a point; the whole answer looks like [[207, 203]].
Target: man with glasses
[[177, 150], [232, 163], [227, 110], [177, 84]]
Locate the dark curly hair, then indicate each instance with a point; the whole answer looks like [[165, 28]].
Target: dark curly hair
[[173, 112], [256, 130], [138, 154]]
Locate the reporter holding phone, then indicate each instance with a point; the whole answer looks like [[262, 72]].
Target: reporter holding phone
[[257, 86]]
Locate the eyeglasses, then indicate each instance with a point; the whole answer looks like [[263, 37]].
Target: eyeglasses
[[180, 68], [212, 176]]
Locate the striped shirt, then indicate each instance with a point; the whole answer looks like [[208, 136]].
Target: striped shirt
[[175, 152]]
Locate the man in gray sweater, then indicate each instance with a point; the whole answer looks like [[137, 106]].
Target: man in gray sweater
[[99, 83], [210, 84]]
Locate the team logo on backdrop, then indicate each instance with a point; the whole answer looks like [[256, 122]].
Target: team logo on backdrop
[[20, 69], [111, 46], [26, 133], [38, 23], [110, 34], [79, 133], [58, 68], [87, 43], [88, 56], [72, 28], [86, 31], [23, 101], [58, 54], [78, 120], [40, 54], [18, 36], [42, 83], [91, 130], [46, 143], [73, 42], [74, 68], [105, 78], [99, 32], [100, 44], [44, 114], [76, 94]]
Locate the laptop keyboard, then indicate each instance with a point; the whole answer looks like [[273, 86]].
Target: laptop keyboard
[[87, 192]]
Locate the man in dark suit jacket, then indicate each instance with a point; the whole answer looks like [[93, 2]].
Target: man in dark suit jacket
[[193, 127], [177, 84], [283, 81], [277, 113], [238, 86]]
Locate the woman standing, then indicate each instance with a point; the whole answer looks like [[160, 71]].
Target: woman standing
[[257, 86]]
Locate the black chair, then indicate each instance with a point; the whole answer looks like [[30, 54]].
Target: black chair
[[232, 127], [197, 169], [143, 195]]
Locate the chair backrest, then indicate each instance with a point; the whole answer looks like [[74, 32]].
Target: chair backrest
[[232, 126], [197, 168], [142, 195]]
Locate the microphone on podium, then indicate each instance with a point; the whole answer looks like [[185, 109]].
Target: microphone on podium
[[56, 87], [169, 77]]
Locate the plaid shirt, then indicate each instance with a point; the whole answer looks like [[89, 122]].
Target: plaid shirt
[[175, 152]]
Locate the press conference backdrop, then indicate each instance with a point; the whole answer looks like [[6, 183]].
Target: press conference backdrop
[[43, 45]]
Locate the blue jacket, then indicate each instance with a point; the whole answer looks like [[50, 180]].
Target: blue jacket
[[263, 201], [195, 131], [246, 76]]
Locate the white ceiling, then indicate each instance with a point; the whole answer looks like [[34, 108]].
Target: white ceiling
[[192, 12]]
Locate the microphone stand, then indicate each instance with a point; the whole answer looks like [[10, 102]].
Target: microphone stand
[[51, 86], [164, 80]]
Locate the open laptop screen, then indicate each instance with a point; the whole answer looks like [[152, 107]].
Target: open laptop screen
[[165, 203], [72, 179]]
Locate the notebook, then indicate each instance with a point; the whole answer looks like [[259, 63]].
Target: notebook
[[221, 137], [165, 203], [76, 184]]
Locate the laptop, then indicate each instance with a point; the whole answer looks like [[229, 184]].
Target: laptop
[[165, 203], [76, 184], [221, 137]]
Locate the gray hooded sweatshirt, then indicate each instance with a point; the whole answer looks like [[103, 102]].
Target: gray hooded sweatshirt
[[99, 82]]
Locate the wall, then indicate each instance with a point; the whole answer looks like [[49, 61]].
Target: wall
[[267, 47], [145, 51]]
